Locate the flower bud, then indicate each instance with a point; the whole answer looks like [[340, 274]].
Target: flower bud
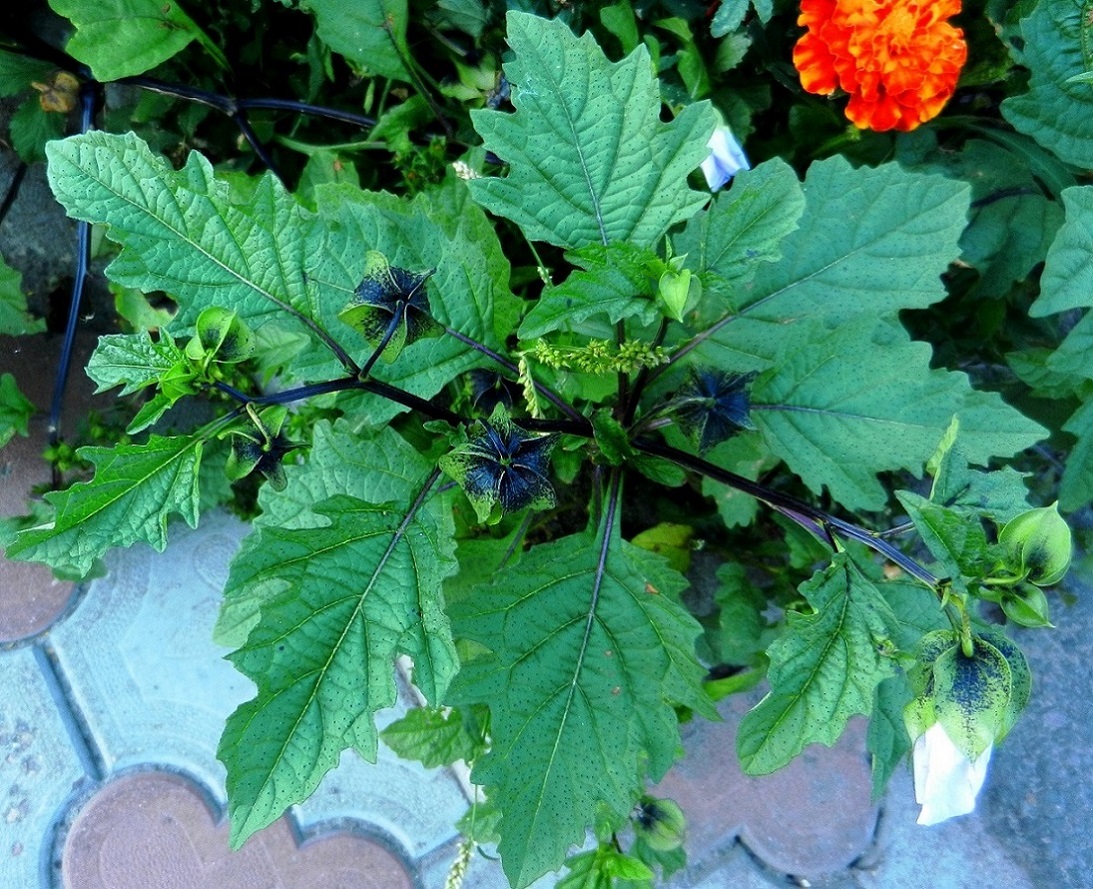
[[1037, 544]]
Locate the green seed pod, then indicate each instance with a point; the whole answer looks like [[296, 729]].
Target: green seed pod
[[1037, 543], [660, 823]]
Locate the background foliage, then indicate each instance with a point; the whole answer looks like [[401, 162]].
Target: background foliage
[[439, 289]]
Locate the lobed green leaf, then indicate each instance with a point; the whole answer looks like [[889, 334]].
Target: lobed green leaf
[[590, 650], [590, 161], [136, 488], [338, 604], [823, 670], [1055, 111], [181, 232]]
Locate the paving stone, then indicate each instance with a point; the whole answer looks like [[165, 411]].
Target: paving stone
[[39, 769], [139, 660], [154, 831], [32, 598], [957, 854], [1039, 799], [810, 819], [36, 237]]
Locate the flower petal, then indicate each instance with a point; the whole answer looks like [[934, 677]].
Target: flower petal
[[898, 59], [946, 781]]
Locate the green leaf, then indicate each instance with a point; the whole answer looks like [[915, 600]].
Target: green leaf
[[601, 867], [132, 361], [956, 540], [376, 468], [887, 738], [15, 409], [613, 281], [32, 127], [1076, 487], [340, 603], [742, 228], [590, 160], [14, 320], [122, 38], [619, 19], [992, 428], [1066, 281], [469, 291], [823, 670], [575, 719], [371, 34], [181, 232], [135, 490], [1056, 112], [729, 15], [896, 235], [1012, 222], [1000, 494], [434, 737], [17, 72], [843, 405]]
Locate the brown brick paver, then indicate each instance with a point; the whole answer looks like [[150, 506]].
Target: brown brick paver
[[153, 830], [32, 599], [811, 819]]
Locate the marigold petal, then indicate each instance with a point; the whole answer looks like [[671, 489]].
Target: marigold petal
[[816, 65], [899, 60]]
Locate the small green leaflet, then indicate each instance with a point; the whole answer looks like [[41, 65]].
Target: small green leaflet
[[887, 739], [590, 160], [824, 669], [612, 283], [180, 230], [742, 228], [730, 14], [590, 650], [434, 737], [1056, 112], [135, 490], [14, 320], [121, 38], [339, 604], [955, 539], [18, 71], [31, 127], [371, 34], [132, 361]]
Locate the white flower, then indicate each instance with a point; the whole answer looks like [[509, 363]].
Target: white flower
[[946, 780], [726, 158]]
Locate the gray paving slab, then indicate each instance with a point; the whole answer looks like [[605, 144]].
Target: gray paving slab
[[138, 657], [957, 854], [810, 819], [1039, 802], [40, 769]]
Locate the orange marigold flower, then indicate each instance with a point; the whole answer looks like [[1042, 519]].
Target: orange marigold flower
[[898, 59]]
